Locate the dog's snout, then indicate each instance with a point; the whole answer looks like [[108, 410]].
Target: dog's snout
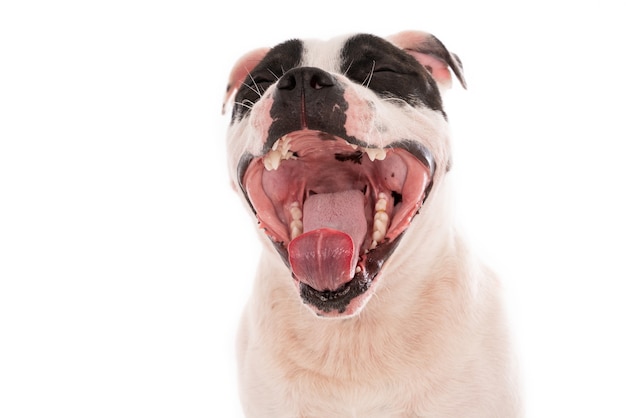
[[307, 98], [305, 78]]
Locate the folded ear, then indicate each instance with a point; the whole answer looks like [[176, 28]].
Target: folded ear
[[240, 71], [432, 54]]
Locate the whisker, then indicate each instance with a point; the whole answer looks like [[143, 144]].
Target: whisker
[[368, 79], [256, 87], [275, 76], [248, 105], [348, 69]]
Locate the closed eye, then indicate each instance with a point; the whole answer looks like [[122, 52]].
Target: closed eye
[[266, 77], [263, 81], [260, 82], [384, 70]]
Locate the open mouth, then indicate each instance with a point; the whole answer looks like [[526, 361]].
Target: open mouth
[[336, 210]]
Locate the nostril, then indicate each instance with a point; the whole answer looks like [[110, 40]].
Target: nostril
[[287, 82], [307, 78], [320, 80]]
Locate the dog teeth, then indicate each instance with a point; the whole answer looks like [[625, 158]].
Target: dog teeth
[[381, 221], [296, 229], [295, 225], [379, 229], [295, 211], [375, 153], [381, 203], [279, 152], [272, 160], [372, 153]]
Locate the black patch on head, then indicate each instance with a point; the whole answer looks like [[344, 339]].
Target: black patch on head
[[389, 71], [276, 62]]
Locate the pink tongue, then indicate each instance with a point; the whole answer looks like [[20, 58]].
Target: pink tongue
[[334, 225]]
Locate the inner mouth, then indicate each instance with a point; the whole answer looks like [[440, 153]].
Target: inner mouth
[[335, 210]]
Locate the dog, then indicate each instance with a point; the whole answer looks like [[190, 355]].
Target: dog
[[367, 301]]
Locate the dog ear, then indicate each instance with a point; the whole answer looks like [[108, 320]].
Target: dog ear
[[240, 71], [432, 54]]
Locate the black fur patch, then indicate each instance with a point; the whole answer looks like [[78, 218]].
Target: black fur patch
[[389, 71]]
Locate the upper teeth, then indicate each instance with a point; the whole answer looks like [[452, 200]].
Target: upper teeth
[[375, 153], [280, 151]]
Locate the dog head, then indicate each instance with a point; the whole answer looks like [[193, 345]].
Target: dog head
[[335, 146]]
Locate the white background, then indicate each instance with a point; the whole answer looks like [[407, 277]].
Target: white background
[[126, 259]]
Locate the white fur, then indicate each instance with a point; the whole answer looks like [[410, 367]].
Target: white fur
[[431, 342]]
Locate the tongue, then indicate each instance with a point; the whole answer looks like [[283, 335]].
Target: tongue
[[334, 225]]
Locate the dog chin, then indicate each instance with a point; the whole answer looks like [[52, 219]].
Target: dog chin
[[320, 306]]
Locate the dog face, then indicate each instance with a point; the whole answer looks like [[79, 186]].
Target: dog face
[[335, 146]]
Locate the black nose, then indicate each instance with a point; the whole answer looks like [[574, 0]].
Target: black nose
[[305, 78], [307, 98], [307, 95]]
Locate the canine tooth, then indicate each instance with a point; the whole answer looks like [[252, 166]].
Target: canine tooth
[[376, 153], [280, 151], [373, 245], [272, 160], [280, 142]]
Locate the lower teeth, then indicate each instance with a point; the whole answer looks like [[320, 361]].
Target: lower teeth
[[379, 228], [296, 222], [381, 221]]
